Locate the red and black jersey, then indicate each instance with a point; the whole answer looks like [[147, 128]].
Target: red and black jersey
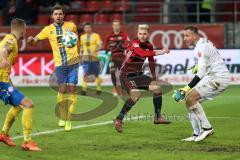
[[136, 54], [116, 43]]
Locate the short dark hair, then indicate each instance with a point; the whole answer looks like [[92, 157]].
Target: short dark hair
[[87, 24], [57, 7], [16, 23], [194, 29]]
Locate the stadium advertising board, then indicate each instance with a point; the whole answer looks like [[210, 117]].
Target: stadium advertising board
[[35, 69], [160, 35]]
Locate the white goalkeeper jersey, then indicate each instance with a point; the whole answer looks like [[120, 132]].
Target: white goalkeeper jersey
[[210, 61]]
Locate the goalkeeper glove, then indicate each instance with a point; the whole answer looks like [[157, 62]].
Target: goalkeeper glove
[[194, 69], [180, 94]]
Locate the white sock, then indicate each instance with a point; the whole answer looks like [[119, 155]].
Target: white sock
[[195, 123], [198, 110]]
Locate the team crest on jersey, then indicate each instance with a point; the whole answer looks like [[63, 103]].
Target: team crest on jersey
[[199, 54], [51, 32], [135, 45], [119, 38], [10, 89]]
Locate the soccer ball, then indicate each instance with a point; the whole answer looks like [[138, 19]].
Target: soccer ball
[[69, 39]]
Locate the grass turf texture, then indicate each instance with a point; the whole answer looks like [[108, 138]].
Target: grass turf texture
[[141, 139]]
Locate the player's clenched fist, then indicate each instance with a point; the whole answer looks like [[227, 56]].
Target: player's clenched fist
[[30, 40]]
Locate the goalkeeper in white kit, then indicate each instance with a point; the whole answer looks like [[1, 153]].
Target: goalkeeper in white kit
[[212, 78]]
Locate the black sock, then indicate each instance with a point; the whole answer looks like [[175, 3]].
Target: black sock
[[126, 107], [157, 101], [114, 79]]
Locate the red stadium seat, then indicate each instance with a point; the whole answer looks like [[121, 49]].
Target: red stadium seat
[[116, 16], [86, 18], [92, 6], [122, 5], [72, 17], [102, 19], [42, 19], [146, 19], [107, 5]]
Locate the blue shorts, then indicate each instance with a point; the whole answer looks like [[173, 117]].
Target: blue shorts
[[91, 67], [67, 74], [10, 95]]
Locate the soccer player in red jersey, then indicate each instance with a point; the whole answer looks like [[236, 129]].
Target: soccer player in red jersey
[[132, 78], [115, 42]]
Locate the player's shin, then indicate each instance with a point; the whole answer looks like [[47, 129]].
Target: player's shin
[[98, 83], [10, 118], [198, 110], [195, 122], [84, 84], [73, 99], [62, 101], [157, 101], [113, 77], [27, 123], [126, 107]]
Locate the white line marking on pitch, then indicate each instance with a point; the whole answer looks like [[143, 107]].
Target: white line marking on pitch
[[76, 127], [98, 124]]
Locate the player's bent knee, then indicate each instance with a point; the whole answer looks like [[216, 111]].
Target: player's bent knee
[[135, 95], [72, 88], [155, 88], [191, 100], [27, 103], [62, 88]]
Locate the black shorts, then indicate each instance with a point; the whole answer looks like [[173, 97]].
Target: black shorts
[[116, 62], [135, 81]]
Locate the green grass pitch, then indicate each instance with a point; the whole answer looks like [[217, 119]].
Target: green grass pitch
[[141, 140]]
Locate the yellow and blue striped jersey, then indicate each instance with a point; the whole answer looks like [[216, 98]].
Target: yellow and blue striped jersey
[[61, 55], [90, 45], [11, 42]]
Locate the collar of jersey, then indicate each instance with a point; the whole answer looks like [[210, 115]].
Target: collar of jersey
[[199, 41], [58, 24]]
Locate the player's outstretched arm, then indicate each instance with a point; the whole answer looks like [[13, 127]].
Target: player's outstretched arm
[[162, 51]]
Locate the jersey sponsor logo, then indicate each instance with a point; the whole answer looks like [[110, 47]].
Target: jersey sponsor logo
[[59, 40], [135, 45], [10, 89]]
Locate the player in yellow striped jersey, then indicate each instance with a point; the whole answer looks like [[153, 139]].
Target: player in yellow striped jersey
[[66, 62], [11, 95], [90, 44]]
